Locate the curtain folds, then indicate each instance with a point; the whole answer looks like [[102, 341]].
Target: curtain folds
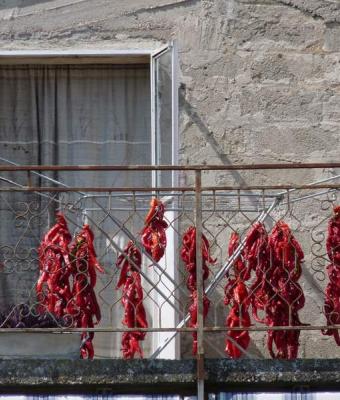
[[69, 115]]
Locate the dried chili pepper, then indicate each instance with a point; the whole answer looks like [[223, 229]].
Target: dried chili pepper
[[257, 255], [86, 311], [132, 299], [188, 255], [153, 233], [277, 261], [236, 295], [53, 286], [288, 298], [68, 277], [332, 292], [238, 317]]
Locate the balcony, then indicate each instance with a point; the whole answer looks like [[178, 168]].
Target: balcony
[[275, 306]]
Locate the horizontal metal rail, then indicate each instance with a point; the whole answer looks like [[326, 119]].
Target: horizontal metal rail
[[166, 189], [177, 329], [232, 167]]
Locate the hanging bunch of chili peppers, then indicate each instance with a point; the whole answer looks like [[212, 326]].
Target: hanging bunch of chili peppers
[[332, 292], [53, 288], [84, 266], [257, 254], [276, 261], [236, 295], [282, 308], [153, 233], [132, 299], [188, 255], [67, 279], [253, 257]]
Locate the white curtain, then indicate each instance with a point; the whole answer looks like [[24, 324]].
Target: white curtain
[[68, 114], [71, 115]]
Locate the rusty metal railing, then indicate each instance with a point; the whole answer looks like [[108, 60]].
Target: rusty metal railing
[[217, 200]]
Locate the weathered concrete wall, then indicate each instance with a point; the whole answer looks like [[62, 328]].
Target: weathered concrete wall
[[260, 79], [102, 377]]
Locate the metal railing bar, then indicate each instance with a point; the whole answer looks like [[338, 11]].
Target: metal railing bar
[[197, 167], [178, 194], [308, 196], [205, 210], [210, 329], [314, 184], [311, 195], [170, 189], [40, 194]]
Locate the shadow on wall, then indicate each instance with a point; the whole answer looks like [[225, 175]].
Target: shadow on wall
[[21, 3], [207, 134]]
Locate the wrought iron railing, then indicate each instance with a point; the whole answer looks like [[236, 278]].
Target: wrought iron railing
[[31, 197]]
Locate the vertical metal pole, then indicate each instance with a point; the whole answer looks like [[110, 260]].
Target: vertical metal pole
[[174, 106], [199, 285], [153, 89]]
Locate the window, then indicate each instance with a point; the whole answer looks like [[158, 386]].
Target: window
[[93, 108], [116, 107]]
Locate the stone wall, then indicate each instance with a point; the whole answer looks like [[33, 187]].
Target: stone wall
[[259, 79]]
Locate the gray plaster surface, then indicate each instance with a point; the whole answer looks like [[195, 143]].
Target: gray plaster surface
[[259, 82]]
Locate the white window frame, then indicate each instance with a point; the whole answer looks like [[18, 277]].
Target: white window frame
[[129, 56]]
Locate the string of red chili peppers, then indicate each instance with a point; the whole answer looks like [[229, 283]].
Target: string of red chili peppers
[[287, 296], [153, 233], [53, 289], [67, 279], [153, 239], [84, 266], [132, 299], [332, 292], [188, 255], [237, 296], [275, 292]]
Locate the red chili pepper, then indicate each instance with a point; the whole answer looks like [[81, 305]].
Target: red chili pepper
[[276, 292], [188, 255], [257, 256], [68, 277], [53, 286], [332, 292], [153, 233], [236, 294], [132, 299], [84, 266], [238, 317], [287, 296]]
